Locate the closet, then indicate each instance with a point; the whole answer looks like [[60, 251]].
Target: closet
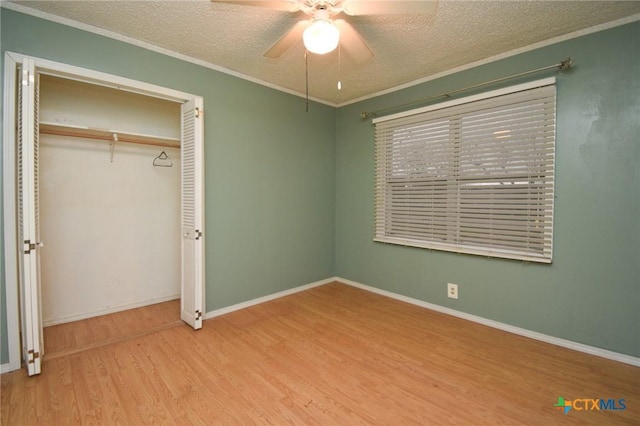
[[109, 199], [103, 191]]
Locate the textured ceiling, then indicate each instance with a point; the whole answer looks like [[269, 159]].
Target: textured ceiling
[[406, 48]]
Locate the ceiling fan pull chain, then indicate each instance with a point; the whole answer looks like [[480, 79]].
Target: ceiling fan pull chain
[[306, 76], [339, 67]]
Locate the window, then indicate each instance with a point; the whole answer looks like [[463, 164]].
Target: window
[[474, 175]]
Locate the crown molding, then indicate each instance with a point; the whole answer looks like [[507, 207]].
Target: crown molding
[[154, 48], [490, 59]]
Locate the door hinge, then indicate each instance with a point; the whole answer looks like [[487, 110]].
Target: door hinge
[[29, 246], [198, 234], [32, 356], [199, 112], [198, 315], [26, 79]]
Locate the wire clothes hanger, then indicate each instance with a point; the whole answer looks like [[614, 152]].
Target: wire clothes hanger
[[162, 160]]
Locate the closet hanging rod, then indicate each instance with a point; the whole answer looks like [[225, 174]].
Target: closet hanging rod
[[107, 135], [561, 66]]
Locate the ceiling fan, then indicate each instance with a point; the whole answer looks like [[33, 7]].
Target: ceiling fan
[[322, 32]]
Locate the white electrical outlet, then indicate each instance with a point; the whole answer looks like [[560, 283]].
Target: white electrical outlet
[[452, 290]]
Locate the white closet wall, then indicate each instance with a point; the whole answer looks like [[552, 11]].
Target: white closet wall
[[111, 229]]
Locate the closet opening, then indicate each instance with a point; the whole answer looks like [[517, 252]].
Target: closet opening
[[109, 207], [103, 191]]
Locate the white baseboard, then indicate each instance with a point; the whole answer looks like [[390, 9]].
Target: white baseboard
[[111, 310], [592, 350], [242, 305], [580, 347]]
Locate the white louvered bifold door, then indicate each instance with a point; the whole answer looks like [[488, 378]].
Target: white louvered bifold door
[[29, 243], [192, 291]]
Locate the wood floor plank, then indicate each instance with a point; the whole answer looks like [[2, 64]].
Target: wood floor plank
[[332, 355], [71, 337]]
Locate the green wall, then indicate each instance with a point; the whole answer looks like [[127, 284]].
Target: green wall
[[270, 166], [591, 292], [289, 194]]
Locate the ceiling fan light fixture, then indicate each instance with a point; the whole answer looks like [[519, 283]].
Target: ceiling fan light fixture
[[321, 37]]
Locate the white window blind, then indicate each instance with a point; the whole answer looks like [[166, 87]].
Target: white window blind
[[474, 175]]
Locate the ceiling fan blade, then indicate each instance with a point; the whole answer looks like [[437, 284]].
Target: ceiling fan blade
[[351, 42], [388, 7], [282, 5], [288, 40]]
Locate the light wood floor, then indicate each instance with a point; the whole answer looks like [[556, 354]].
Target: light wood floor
[[77, 336], [332, 355]]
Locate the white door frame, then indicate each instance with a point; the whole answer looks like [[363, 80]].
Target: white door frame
[[44, 66]]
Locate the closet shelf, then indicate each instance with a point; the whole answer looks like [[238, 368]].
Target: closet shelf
[[107, 135]]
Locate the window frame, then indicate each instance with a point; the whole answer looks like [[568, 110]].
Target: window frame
[[541, 249]]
